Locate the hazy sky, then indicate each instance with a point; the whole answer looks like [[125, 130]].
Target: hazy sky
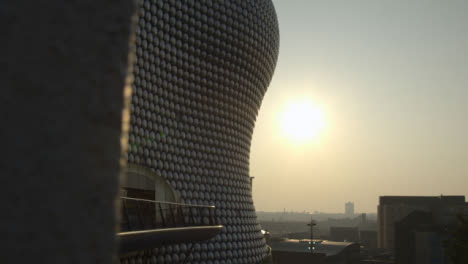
[[391, 78]]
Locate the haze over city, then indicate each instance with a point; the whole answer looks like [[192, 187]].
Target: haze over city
[[382, 86]]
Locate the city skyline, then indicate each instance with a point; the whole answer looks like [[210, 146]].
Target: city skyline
[[390, 80]]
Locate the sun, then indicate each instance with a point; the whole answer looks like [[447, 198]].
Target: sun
[[302, 121]]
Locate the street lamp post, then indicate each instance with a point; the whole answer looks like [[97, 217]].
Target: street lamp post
[[312, 224]]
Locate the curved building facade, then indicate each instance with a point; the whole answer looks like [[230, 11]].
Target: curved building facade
[[201, 71]]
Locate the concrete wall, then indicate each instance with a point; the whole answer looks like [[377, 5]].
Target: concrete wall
[[63, 71]]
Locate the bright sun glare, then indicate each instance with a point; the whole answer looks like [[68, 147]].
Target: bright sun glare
[[302, 121]]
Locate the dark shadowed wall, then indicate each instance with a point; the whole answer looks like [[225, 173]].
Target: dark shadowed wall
[[63, 71]]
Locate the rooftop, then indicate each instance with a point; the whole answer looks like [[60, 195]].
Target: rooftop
[[329, 248], [422, 200]]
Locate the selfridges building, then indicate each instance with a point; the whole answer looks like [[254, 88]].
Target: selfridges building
[[201, 71]]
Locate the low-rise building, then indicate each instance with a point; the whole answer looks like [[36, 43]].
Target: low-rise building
[[344, 234], [314, 251], [368, 238]]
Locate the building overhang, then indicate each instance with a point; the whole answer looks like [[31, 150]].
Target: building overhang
[[146, 239]]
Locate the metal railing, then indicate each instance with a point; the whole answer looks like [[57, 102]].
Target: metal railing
[[141, 214]]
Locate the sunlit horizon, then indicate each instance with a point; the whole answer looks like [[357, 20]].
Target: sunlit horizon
[[390, 80]]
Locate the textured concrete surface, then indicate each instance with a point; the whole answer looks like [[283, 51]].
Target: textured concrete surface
[[63, 70]]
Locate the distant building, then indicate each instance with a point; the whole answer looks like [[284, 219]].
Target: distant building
[[429, 248], [344, 234], [418, 237], [313, 252], [363, 219], [392, 209], [349, 209], [368, 238]]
